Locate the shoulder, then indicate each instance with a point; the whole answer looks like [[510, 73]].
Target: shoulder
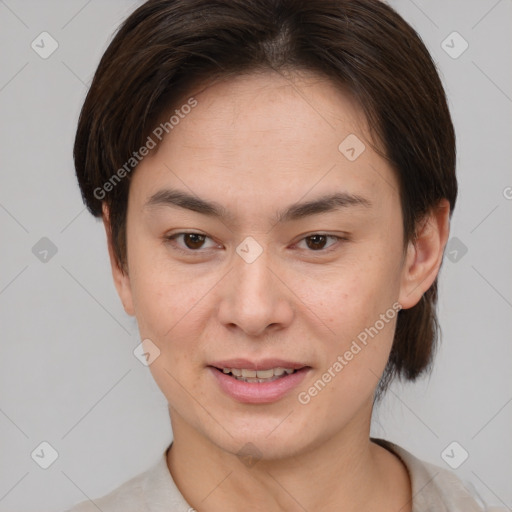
[[433, 487], [153, 490], [127, 497]]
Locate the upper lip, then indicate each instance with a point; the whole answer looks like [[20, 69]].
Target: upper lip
[[262, 364]]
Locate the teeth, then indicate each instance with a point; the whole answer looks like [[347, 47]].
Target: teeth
[[258, 375], [264, 374]]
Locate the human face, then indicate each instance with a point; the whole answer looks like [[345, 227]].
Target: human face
[[288, 297]]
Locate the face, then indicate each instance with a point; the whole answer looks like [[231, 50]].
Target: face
[[258, 280]]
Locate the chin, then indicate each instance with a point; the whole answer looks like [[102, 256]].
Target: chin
[[259, 442]]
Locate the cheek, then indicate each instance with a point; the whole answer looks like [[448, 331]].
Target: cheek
[[165, 308], [170, 313], [360, 314], [165, 296], [359, 306], [355, 294]]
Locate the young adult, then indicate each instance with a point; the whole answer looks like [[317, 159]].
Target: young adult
[[276, 180]]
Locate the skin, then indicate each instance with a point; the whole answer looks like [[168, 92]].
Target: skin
[[256, 144]]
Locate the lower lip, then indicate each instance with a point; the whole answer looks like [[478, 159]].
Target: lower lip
[[258, 392]]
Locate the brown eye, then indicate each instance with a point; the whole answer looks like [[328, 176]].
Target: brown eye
[[192, 242], [317, 241]]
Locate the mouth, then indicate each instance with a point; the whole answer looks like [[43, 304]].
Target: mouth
[[257, 376], [258, 382]]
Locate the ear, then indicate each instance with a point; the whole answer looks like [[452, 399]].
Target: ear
[[120, 275], [425, 254]]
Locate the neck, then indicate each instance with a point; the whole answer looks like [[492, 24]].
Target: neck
[[345, 472]]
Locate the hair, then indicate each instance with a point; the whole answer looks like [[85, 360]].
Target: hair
[[166, 46]]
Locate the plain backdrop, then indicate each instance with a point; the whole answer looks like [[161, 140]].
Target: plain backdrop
[[68, 376]]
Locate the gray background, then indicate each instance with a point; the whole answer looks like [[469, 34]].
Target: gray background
[[67, 372]]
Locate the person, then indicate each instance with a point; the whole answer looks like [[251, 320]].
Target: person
[[276, 180]]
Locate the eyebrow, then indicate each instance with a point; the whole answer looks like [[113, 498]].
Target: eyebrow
[[324, 204]]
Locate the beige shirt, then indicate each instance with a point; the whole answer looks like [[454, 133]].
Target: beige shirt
[[434, 489]]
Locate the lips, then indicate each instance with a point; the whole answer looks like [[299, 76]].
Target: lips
[[262, 381], [263, 364]]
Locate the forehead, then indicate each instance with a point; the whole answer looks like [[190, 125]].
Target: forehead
[[265, 138], [301, 109]]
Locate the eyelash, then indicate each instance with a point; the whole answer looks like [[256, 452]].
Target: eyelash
[[171, 238]]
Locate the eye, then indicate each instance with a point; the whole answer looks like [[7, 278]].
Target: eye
[[193, 242], [317, 241]]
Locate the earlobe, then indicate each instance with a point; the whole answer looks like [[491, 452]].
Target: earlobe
[[120, 275], [425, 254]]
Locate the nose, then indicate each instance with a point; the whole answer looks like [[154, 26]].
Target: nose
[[254, 298]]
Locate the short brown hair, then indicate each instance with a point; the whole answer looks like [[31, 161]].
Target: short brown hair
[[165, 46]]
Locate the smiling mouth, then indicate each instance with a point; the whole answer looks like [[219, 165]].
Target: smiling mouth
[[257, 376]]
